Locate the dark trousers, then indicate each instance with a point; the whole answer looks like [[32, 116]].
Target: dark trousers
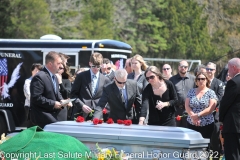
[[232, 146], [183, 121], [215, 143], [28, 123], [206, 131]]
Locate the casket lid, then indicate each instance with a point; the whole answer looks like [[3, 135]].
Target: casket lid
[[133, 134]]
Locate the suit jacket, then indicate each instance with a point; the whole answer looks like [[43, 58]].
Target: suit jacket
[[111, 75], [217, 87], [82, 90], [229, 112], [141, 81], [43, 99], [111, 95]]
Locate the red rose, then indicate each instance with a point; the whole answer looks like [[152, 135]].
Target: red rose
[[95, 121], [221, 127], [178, 118], [128, 122], [100, 121], [216, 109], [119, 121], [110, 121], [80, 119], [104, 111]]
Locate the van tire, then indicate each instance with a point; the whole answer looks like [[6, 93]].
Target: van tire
[[3, 125]]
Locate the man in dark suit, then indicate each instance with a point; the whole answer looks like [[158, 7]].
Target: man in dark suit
[[121, 95], [217, 87], [45, 102], [88, 86], [229, 112]]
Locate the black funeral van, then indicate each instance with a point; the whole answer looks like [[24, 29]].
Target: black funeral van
[[17, 56]]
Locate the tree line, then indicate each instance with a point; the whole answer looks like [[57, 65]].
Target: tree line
[[155, 28]]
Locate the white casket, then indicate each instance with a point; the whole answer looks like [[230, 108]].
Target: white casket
[[138, 142]]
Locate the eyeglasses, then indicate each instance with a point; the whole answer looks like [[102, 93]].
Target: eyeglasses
[[210, 69], [95, 66], [165, 69], [150, 77], [120, 82], [199, 79], [182, 66]]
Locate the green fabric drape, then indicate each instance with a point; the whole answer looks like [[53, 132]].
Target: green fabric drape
[[34, 143]]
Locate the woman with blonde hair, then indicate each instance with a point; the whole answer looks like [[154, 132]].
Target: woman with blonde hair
[[160, 98], [138, 66]]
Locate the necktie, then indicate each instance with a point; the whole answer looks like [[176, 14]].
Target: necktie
[[94, 82], [54, 82], [122, 96]]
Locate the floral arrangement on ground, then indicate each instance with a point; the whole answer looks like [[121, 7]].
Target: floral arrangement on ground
[[109, 154]]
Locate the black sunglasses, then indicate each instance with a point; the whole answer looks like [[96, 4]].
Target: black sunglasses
[[165, 69], [183, 66], [119, 82], [93, 66], [199, 79], [151, 77], [209, 69]]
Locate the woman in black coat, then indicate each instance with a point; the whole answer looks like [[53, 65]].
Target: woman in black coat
[[160, 98]]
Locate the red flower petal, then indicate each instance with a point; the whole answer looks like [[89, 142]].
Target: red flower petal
[[119, 121], [221, 127], [110, 121], [128, 122], [80, 119], [95, 121], [100, 121], [104, 111], [178, 118]]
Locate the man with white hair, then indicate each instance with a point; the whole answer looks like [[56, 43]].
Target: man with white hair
[[122, 95], [229, 112]]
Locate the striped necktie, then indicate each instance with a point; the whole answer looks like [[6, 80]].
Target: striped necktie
[[54, 82]]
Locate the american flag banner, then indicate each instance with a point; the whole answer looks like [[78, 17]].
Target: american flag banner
[[3, 72]]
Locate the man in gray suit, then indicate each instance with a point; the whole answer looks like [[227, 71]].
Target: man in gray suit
[[122, 95]]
